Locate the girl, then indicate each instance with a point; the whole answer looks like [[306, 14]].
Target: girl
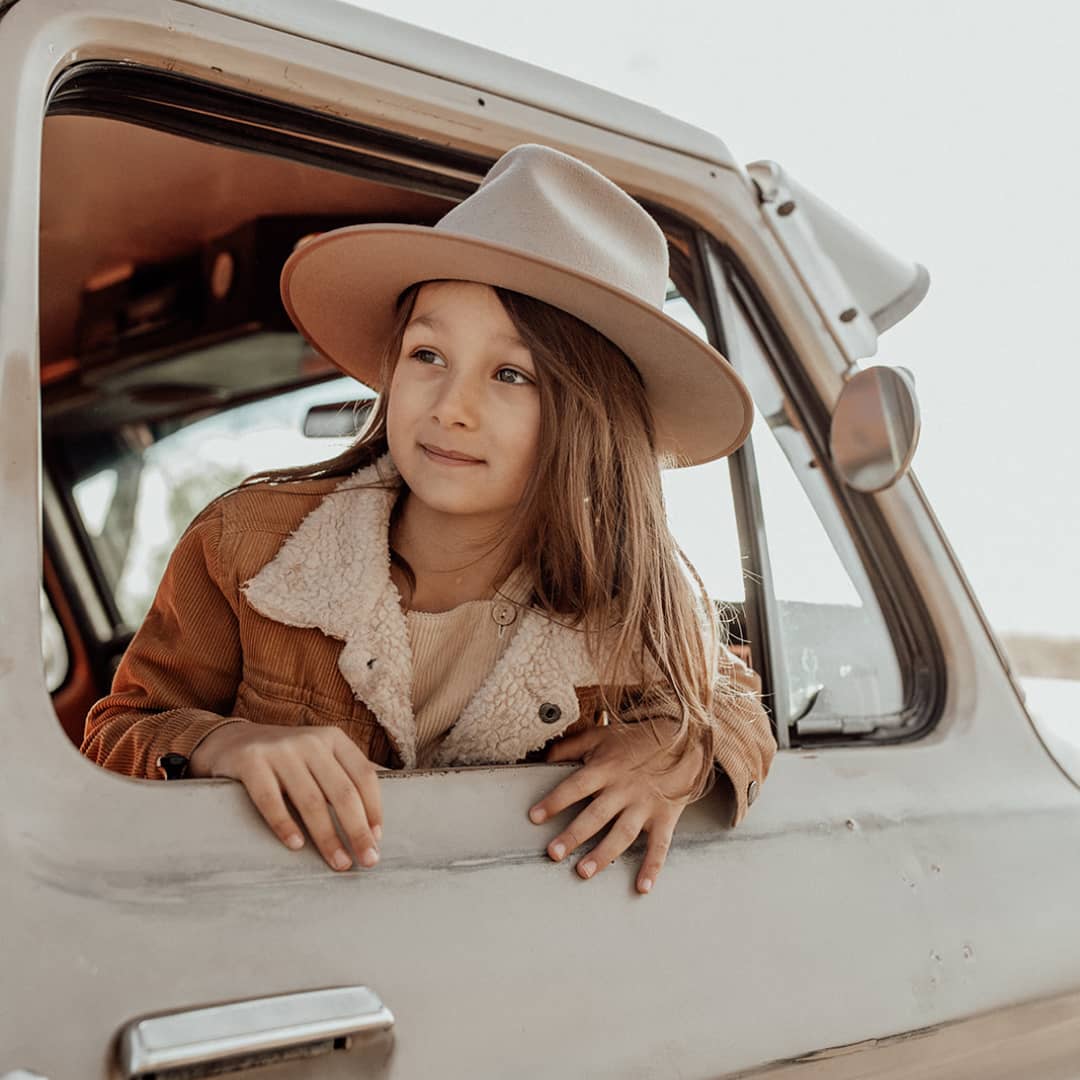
[[486, 575]]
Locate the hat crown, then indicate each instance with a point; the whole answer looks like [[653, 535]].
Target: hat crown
[[546, 203]]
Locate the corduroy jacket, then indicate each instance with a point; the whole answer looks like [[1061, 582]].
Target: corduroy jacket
[[277, 607]]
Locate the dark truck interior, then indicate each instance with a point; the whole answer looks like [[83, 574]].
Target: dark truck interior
[[169, 369]]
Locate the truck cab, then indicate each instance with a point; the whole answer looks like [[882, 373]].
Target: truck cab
[[896, 902]]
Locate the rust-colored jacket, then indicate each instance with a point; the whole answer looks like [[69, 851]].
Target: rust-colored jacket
[[277, 607]]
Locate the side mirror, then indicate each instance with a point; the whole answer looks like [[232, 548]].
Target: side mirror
[[340, 419], [875, 428]]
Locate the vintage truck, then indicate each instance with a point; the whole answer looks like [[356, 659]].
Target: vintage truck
[[902, 900]]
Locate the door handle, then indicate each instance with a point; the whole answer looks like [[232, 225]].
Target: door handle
[[246, 1034]]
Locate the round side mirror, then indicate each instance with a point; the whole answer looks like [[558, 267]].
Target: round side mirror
[[875, 428]]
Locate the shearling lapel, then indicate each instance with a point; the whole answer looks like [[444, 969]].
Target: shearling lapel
[[333, 573]]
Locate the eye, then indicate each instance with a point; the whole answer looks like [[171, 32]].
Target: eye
[[416, 354], [525, 380]]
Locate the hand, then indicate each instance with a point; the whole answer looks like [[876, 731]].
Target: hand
[[635, 800], [312, 765]]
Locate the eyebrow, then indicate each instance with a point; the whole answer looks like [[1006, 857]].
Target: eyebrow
[[433, 322]]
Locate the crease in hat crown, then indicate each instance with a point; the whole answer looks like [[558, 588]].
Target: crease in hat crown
[[537, 199]]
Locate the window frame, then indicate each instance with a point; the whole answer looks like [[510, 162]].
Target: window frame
[[918, 652], [199, 109], [192, 108]]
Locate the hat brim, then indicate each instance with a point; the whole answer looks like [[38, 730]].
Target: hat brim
[[340, 288]]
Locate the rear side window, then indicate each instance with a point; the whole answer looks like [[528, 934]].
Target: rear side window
[[147, 481]]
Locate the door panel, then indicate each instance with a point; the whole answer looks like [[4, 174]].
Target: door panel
[[796, 931]]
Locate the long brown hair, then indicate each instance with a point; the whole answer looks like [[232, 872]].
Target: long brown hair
[[596, 540]]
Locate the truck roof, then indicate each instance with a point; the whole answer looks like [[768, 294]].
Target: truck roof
[[348, 25]]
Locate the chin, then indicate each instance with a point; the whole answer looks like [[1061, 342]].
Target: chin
[[449, 498]]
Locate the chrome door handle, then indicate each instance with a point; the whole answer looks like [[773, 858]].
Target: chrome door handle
[[246, 1034]]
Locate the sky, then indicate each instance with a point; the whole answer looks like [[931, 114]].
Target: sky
[[948, 131]]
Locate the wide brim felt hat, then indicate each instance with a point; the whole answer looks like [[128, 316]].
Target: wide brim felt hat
[[550, 226]]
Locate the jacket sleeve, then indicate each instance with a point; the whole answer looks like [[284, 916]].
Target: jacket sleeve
[[745, 746], [178, 678]]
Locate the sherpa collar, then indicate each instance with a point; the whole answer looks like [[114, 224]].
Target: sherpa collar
[[333, 573]]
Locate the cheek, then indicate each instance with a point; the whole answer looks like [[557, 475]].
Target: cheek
[[397, 403], [525, 440]]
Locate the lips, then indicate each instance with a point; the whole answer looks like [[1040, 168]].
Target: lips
[[452, 455]]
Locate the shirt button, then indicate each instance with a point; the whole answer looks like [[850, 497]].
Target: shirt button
[[550, 713], [751, 792], [503, 613]]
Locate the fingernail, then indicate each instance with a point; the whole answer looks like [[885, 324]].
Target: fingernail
[[537, 814], [377, 831], [341, 860], [588, 868], [370, 857], [646, 884], [294, 841], [559, 850]]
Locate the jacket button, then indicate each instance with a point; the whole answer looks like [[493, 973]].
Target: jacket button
[[751, 792], [550, 713], [504, 614]]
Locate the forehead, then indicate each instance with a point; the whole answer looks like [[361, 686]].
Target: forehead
[[463, 306]]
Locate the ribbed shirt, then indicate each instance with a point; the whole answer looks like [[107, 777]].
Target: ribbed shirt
[[454, 652]]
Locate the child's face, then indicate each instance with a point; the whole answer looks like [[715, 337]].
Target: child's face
[[464, 383]]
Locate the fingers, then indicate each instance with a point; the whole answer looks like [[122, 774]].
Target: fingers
[[265, 792], [620, 836], [589, 822], [307, 796], [579, 784], [316, 769], [340, 790], [365, 776], [630, 802], [660, 834]]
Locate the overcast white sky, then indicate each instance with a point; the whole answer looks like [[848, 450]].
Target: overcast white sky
[[947, 129]]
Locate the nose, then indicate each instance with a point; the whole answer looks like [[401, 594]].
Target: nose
[[455, 404]]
